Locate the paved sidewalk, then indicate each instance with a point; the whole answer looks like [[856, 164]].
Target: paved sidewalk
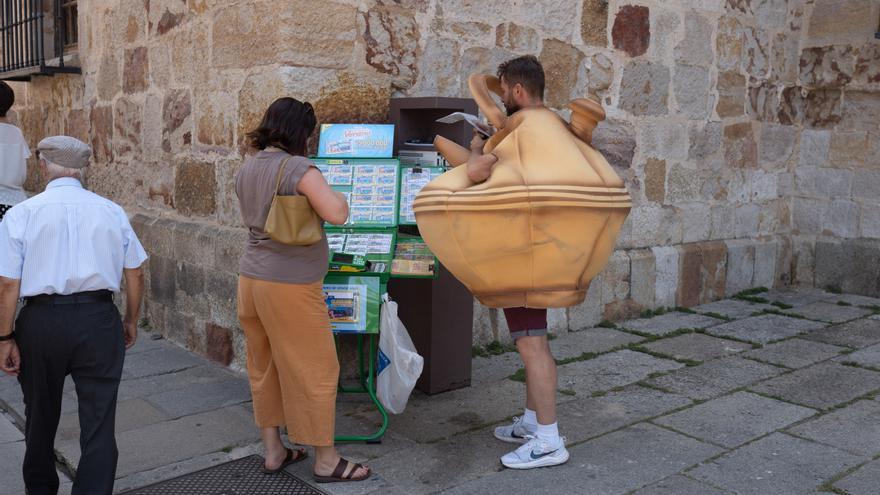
[[744, 397]]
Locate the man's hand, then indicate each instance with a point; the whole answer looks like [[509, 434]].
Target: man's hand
[[10, 359], [130, 329], [477, 143]]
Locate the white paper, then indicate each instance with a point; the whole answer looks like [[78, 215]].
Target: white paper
[[473, 120]]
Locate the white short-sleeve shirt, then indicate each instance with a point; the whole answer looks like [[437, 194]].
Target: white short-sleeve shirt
[[67, 240], [14, 153]]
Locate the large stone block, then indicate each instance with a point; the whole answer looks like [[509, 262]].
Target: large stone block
[[823, 386], [691, 86], [736, 419], [643, 277], [866, 183], [561, 62], [631, 32], [594, 23], [667, 269], [729, 43], [827, 67], [740, 146], [696, 47], [808, 215], [683, 184], [127, 126], [512, 36], [645, 88], [766, 255], [219, 344], [137, 67], [824, 182], [842, 22], [747, 220], [815, 147], [852, 266], [740, 266], [869, 221], [664, 139], [842, 219], [195, 188], [392, 39], [778, 463], [163, 280], [777, 143], [221, 290], [301, 33], [705, 140], [440, 70], [588, 313], [177, 121], [696, 221], [715, 378], [194, 243]]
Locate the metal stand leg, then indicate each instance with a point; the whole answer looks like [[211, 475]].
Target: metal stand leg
[[367, 380]]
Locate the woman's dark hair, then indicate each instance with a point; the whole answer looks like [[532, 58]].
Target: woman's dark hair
[[525, 70], [287, 124], [7, 98]]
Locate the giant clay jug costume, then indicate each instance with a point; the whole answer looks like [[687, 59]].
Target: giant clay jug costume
[[544, 224]]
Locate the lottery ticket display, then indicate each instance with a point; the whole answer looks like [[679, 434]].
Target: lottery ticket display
[[369, 186], [412, 180]]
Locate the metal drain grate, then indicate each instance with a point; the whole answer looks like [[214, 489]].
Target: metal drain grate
[[240, 477]]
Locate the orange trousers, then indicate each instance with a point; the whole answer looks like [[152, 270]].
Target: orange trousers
[[291, 358]]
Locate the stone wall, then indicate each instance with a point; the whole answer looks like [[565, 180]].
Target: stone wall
[[746, 129]]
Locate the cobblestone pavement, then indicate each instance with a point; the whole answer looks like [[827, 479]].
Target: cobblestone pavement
[[771, 393]]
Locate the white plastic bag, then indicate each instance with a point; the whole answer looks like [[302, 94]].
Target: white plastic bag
[[399, 363]]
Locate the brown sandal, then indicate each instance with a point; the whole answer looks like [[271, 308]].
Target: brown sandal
[[291, 458], [338, 473]]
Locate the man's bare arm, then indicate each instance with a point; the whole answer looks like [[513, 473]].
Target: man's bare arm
[[10, 359], [134, 295], [479, 165]]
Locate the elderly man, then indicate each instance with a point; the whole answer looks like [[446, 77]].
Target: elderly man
[[64, 252]]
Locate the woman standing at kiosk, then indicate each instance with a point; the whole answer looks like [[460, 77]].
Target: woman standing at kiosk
[[291, 357]]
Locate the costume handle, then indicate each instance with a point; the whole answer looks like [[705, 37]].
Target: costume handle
[[586, 113]]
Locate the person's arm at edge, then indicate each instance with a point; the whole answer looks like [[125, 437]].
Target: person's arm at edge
[[328, 204], [134, 296], [10, 359]]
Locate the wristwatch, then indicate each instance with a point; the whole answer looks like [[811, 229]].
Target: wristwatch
[[11, 336]]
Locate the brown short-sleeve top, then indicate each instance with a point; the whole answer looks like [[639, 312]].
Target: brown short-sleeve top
[[263, 258]]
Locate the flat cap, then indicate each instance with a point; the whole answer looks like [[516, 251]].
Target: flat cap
[[65, 151]]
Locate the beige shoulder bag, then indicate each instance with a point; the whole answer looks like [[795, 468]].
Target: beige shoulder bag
[[291, 219]]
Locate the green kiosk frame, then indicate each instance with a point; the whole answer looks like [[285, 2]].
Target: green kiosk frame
[[362, 255]]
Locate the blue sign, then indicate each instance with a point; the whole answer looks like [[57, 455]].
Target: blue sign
[[356, 141]]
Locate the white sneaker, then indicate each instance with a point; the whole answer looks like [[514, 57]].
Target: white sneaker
[[518, 432], [536, 453]]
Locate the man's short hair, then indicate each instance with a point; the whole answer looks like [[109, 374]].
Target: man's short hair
[[525, 70], [7, 98]]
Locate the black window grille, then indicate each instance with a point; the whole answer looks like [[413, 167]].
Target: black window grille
[[35, 35]]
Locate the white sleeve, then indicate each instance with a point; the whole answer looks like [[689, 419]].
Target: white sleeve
[[135, 255], [11, 246]]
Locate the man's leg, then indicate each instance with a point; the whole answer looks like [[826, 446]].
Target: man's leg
[[529, 329], [43, 368], [540, 377], [96, 367]]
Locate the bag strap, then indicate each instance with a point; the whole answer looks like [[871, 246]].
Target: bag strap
[[280, 173]]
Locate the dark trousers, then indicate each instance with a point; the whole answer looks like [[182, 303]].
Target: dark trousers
[[85, 341]]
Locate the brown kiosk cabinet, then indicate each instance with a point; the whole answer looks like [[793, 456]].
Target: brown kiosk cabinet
[[438, 313]]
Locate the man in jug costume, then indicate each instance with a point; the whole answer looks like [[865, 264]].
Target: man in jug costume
[[529, 220]]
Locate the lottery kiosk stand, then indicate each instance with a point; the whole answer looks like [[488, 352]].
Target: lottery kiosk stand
[[368, 250]]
